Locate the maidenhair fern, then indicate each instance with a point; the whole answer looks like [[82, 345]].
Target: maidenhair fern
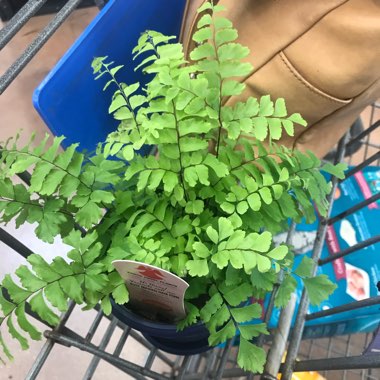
[[205, 208]]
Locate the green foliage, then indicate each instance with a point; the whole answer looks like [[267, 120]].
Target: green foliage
[[336, 170], [45, 286], [285, 290], [64, 189], [319, 288], [251, 357], [305, 268], [206, 208]]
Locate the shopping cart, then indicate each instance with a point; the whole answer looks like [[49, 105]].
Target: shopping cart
[[335, 358]]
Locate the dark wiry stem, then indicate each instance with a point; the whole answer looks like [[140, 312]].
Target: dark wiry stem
[[179, 151], [123, 95], [62, 211], [220, 94]]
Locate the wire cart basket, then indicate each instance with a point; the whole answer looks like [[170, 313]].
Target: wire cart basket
[[339, 357]]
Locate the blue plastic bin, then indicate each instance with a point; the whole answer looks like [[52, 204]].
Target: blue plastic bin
[[69, 100]]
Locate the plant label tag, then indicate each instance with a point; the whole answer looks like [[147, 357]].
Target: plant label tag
[[153, 292]]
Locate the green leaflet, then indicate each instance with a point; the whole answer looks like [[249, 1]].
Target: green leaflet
[[225, 35], [242, 207], [22, 164], [231, 50], [221, 259], [204, 20], [5, 348], [263, 280], [279, 252], [7, 307], [202, 34], [60, 266], [261, 242], [56, 296], [191, 144], [197, 268], [233, 276], [71, 287], [211, 307], [106, 305], [201, 250], [212, 234], [235, 295], [305, 267], [28, 280], [205, 6], [297, 118], [263, 264], [226, 332], [285, 290], [230, 69], [251, 331], [318, 288], [25, 324], [50, 226], [16, 334], [222, 316], [17, 294], [246, 313], [191, 317], [38, 305], [221, 22], [191, 176], [120, 294], [203, 51], [280, 108], [254, 201], [89, 214], [336, 170], [225, 228], [250, 357]]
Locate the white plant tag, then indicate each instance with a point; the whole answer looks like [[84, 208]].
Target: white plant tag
[[156, 293]]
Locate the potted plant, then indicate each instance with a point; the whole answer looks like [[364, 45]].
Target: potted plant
[[205, 208]]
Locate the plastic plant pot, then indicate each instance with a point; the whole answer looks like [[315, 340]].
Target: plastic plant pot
[[190, 341]]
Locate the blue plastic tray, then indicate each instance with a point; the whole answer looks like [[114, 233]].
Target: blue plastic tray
[[69, 100]]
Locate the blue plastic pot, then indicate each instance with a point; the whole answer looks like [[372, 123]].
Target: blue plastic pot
[[190, 341]]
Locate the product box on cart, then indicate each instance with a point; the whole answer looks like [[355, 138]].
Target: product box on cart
[[356, 274]]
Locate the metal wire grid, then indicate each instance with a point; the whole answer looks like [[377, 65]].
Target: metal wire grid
[[332, 354], [336, 347], [345, 346], [19, 20]]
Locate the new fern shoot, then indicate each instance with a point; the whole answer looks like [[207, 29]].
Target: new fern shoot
[[205, 208]]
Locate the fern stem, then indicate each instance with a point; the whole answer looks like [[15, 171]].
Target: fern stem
[[241, 165], [219, 113], [179, 151], [123, 95], [65, 212], [193, 93], [49, 162], [220, 93], [31, 294], [228, 308], [150, 40], [55, 166]]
